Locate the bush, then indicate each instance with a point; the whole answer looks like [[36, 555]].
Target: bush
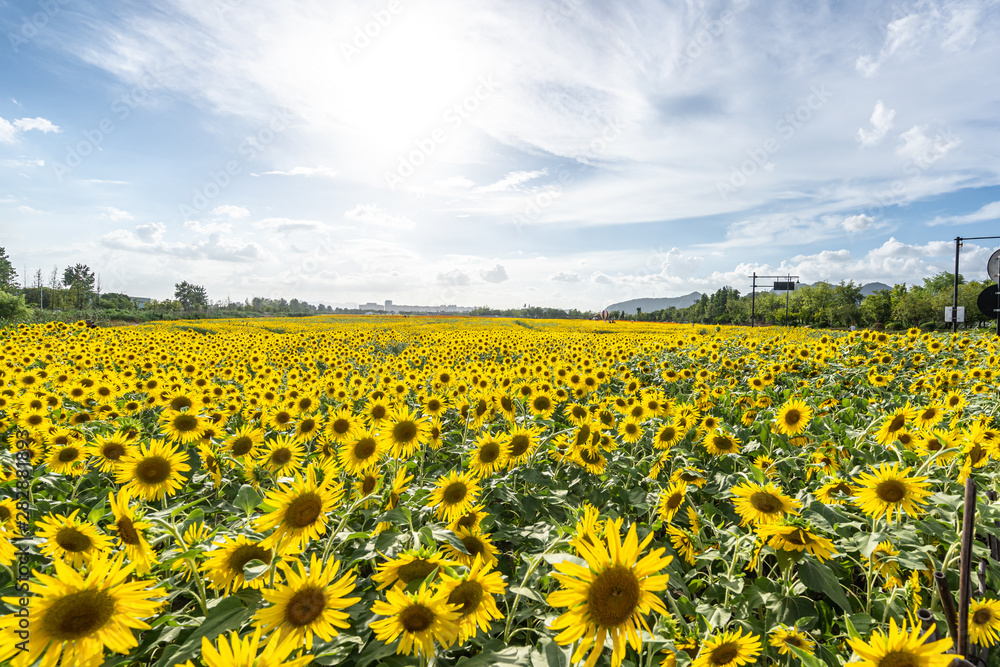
[[13, 308]]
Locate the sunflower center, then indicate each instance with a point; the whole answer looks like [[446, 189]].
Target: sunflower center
[[5, 513], [590, 457], [305, 606], [304, 510], [153, 470], [68, 454], [982, 616], [668, 434], [467, 520], [242, 445], [765, 503], [364, 448], [724, 653], [378, 412], [404, 431], [341, 426], [722, 443], [890, 491], [473, 545], [127, 531], [897, 423], [519, 445], [792, 417], [73, 540], [368, 485], [186, 423], [113, 451], [792, 640], [469, 594], [928, 414], [899, 659], [844, 489], [78, 615], [281, 456], [798, 538], [307, 426], [416, 618], [675, 500], [180, 402], [489, 452], [416, 570], [542, 403], [613, 596], [245, 553], [455, 493]]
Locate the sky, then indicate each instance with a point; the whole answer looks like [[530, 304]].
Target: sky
[[566, 153]]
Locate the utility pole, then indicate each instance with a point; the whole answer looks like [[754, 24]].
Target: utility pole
[[954, 309]]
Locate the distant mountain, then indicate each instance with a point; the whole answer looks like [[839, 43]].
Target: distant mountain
[[649, 305], [871, 288]]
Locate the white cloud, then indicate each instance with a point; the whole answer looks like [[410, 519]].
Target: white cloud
[[923, 150], [901, 34], [22, 162], [512, 180], [149, 239], [285, 225], [372, 214], [40, 124], [495, 275], [454, 278], [199, 227], [566, 277], [116, 214], [987, 213], [231, 212], [858, 223], [9, 131], [305, 171], [453, 182], [881, 123], [601, 278]]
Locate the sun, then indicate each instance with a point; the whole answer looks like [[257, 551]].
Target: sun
[[611, 596]]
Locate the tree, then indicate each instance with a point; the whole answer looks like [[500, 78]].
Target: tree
[[13, 308], [8, 276], [190, 296], [877, 307], [942, 281], [80, 281]]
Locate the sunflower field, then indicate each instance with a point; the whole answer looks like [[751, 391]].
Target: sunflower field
[[413, 491]]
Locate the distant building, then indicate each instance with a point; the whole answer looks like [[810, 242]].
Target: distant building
[[371, 305], [140, 301], [388, 305]]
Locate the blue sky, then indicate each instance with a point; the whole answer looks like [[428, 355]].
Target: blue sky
[[554, 152]]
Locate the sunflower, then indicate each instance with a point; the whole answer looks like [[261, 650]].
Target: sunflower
[[411, 565], [762, 503], [417, 619], [895, 423], [232, 651], [719, 443], [74, 617], [792, 418], [671, 500], [298, 510], [108, 450], [308, 604], [279, 418], [184, 427], [478, 545], [152, 470], [889, 491], [929, 416], [473, 594], [283, 456], [489, 455], [790, 537], [630, 431], [129, 529], [541, 405], [73, 540], [360, 452], [455, 495], [902, 646], [984, 622], [783, 637], [341, 424], [69, 459], [668, 436], [611, 595], [243, 444], [223, 565], [403, 433], [470, 521], [728, 649], [521, 442], [835, 491]]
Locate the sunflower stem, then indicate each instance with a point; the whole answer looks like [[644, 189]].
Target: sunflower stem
[[535, 562]]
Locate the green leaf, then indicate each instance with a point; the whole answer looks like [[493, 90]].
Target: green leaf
[[254, 568], [808, 659], [819, 578], [552, 559], [529, 593], [512, 656], [247, 499], [451, 538], [375, 652], [229, 614]]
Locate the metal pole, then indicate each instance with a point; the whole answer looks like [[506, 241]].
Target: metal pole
[[787, 279], [954, 310], [965, 565], [753, 302]]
